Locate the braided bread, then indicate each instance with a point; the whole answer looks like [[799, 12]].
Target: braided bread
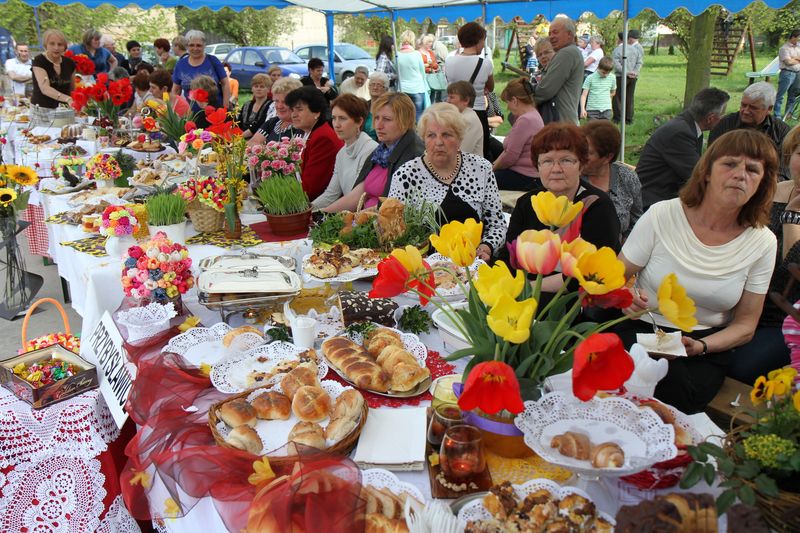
[[354, 361]]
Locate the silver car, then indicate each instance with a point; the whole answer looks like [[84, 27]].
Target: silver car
[[346, 58], [220, 50]]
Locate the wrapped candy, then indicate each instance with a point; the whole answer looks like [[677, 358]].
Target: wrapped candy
[[46, 372]]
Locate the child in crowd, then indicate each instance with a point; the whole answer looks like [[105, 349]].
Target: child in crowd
[[598, 89]]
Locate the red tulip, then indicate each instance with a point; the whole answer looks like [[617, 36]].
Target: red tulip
[[102, 78], [617, 299], [491, 387], [190, 126], [199, 95], [600, 363], [403, 271]]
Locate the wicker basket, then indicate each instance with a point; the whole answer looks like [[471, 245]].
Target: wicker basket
[[343, 447], [66, 339], [205, 219], [781, 513]]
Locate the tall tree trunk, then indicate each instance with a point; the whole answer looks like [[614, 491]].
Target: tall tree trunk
[[701, 45]]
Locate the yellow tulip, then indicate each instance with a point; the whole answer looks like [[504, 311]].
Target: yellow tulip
[[600, 272], [552, 210], [262, 472], [165, 96], [571, 252], [492, 282], [458, 241], [796, 400], [511, 319], [410, 258], [538, 252], [675, 305]]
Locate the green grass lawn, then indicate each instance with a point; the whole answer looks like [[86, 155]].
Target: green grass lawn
[[659, 93]]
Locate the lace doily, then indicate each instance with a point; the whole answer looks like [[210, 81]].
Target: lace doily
[[82, 425], [640, 433], [358, 272], [118, 519], [231, 375], [148, 321], [54, 493], [204, 345], [275, 433], [380, 479], [475, 510]]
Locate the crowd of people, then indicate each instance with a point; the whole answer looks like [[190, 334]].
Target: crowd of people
[[726, 221]]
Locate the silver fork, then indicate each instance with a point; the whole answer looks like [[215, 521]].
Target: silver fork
[[657, 330]]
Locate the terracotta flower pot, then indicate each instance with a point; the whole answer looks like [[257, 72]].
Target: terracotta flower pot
[[288, 225]]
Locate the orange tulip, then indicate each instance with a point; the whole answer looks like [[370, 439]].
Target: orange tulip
[[538, 252], [571, 252]]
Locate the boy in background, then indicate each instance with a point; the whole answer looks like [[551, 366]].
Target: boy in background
[[598, 90]]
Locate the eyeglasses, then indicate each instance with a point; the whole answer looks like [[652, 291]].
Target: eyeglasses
[[563, 163]]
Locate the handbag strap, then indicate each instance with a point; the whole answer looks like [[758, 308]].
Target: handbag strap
[[477, 69]]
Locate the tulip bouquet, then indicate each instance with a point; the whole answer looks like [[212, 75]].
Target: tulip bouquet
[[158, 268], [118, 221], [83, 65], [105, 97], [169, 121], [523, 340], [760, 460], [276, 157]]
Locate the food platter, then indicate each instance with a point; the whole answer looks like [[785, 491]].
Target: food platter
[[205, 345]]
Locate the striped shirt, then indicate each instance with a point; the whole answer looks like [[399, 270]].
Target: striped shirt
[[600, 88]]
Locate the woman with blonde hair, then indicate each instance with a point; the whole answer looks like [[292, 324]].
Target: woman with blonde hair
[[411, 72], [53, 74], [461, 184], [432, 66], [514, 169], [281, 124], [254, 113], [90, 46]]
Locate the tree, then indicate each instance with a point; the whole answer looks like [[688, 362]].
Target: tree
[[247, 27], [361, 28], [701, 44], [73, 20]]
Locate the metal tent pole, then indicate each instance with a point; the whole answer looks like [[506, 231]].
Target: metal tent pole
[[331, 56], [396, 66], [623, 89]]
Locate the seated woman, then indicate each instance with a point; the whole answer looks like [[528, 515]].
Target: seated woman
[[461, 184], [767, 350], [349, 113], [715, 238], [279, 126], [254, 112], [398, 143], [560, 152], [513, 168], [207, 84], [611, 176], [309, 109], [160, 84]]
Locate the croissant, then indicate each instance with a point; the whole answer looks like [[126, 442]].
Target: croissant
[[607, 455], [354, 361], [406, 376], [392, 355], [572, 444]]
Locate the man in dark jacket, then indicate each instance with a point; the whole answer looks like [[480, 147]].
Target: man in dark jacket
[[755, 112], [670, 154]]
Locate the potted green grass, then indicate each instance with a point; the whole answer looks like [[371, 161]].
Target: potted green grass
[[286, 205], [167, 212]]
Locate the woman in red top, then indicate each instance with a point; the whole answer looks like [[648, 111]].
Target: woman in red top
[[431, 65], [309, 109]]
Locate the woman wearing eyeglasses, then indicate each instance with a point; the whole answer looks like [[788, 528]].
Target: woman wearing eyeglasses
[[559, 152], [513, 167]]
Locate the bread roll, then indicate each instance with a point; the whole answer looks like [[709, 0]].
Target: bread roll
[[406, 376], [308, 433], [355, 363], [245, 438], [311, 404], [232, 334], [572, 444], [607, 455], [272, 405], [349, 404], [392, 355], [663, 412], [302, 375], [237, 412], [379, 339]]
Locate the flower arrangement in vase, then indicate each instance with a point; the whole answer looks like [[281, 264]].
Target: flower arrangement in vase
[[503, 322], [105, 97], [157, 270], [275, 158], [194, 140], [118, 223], [103, 168], [761, 461]]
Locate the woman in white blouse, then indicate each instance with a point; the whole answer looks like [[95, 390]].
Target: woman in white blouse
[[461, 184], [348, 113], [715, 238]]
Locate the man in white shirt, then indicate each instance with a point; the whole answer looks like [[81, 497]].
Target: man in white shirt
[[789, 77], [19, 68], [462, 95]]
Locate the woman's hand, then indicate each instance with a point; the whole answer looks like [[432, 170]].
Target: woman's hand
[[640, 302], [693, 346], [484, 252]]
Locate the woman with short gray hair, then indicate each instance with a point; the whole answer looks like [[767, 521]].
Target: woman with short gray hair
[[357, 83], [103, 60], [198, 63]]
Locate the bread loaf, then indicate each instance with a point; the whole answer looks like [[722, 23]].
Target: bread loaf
[[311, 404], [302, 375], [355, 363], [376, 523], [345, 416], [245, 438], [572, 444], [309, 434], [237, 412], [272, 405]]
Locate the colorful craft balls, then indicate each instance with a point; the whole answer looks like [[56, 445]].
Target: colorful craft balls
[[130, 262]]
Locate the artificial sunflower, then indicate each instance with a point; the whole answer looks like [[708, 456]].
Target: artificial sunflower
[[7, 196], [22, 175]]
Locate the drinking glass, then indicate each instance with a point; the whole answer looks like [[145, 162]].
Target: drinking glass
[[443, 390], [461, 456], [445, 415]]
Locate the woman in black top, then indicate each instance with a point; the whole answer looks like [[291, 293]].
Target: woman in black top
[[254, 112], [53, 74]]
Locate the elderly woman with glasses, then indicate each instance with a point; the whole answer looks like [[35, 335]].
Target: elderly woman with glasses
[[559, 152], [198, 63], [378, 85]]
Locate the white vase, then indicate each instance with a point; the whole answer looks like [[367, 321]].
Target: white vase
[[174, 232], [104, 183], [117, 246]]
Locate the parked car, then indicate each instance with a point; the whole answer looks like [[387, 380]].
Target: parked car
[[449, 40], [220, 50], [346, 58], [250, 60]]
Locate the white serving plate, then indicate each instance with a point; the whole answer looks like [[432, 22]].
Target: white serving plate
[[204, 345], [449, 333], [357, 273]]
